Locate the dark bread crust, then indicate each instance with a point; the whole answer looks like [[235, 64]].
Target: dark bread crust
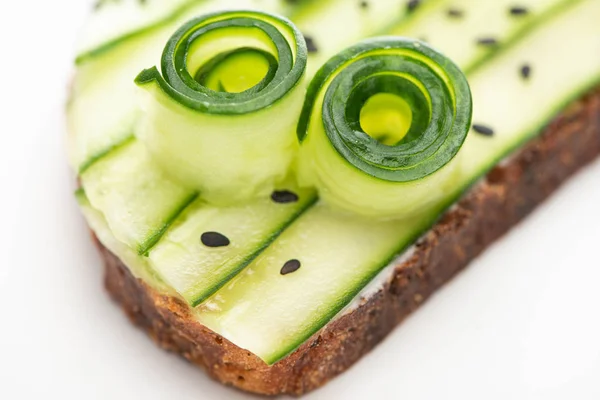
[[489, 210]]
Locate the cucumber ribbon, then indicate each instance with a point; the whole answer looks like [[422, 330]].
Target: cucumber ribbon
[[222, 111], [358, 172]]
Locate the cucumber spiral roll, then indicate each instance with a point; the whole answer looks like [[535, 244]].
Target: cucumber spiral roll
[[220, 115], [381, 127]]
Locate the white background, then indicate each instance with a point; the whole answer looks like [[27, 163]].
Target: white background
[[522, 323]]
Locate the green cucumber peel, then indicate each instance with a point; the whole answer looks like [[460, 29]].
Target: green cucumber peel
[[84, 167], [145, 247], [179, 84], [480, 157], [378, 65], [189, 126], [496, 51], [106, 47], [205, 294], [204, 73]]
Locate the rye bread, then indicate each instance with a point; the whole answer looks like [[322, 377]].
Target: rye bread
[[508, 194]]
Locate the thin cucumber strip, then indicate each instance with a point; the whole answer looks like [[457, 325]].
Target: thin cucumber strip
[[114, 21], [271, 314], [552, 85], [469, 32], [230, 146], [336, 24], [356, 171], [137, 264], [136, 198], [105, 78], [153, 216], [138, 236], [105, 85], [320, 240], [197, 270]]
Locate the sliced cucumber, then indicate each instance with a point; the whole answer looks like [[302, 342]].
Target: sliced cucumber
[[136, 198], [231, 147], [127, 193], [262, 310], [195, 270], [114, 21], [103, 108], [105, 76], [355, 171], [236, 71], [469, 31], [270, 314], [333, 25], [104, 80], [564, 67], [117, 21], [136, 264]]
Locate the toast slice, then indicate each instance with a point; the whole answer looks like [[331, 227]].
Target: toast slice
[[507, 195]]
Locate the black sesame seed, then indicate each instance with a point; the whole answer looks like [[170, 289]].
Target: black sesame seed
[[310, 44], [487, 41], [364, 4], [455, 13], [526, 71], [214, 239], [412, 5], [284, 197], [290, 266], [483, 130], [518, 10]]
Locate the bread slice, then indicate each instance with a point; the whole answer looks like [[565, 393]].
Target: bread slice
[[508, 194]]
